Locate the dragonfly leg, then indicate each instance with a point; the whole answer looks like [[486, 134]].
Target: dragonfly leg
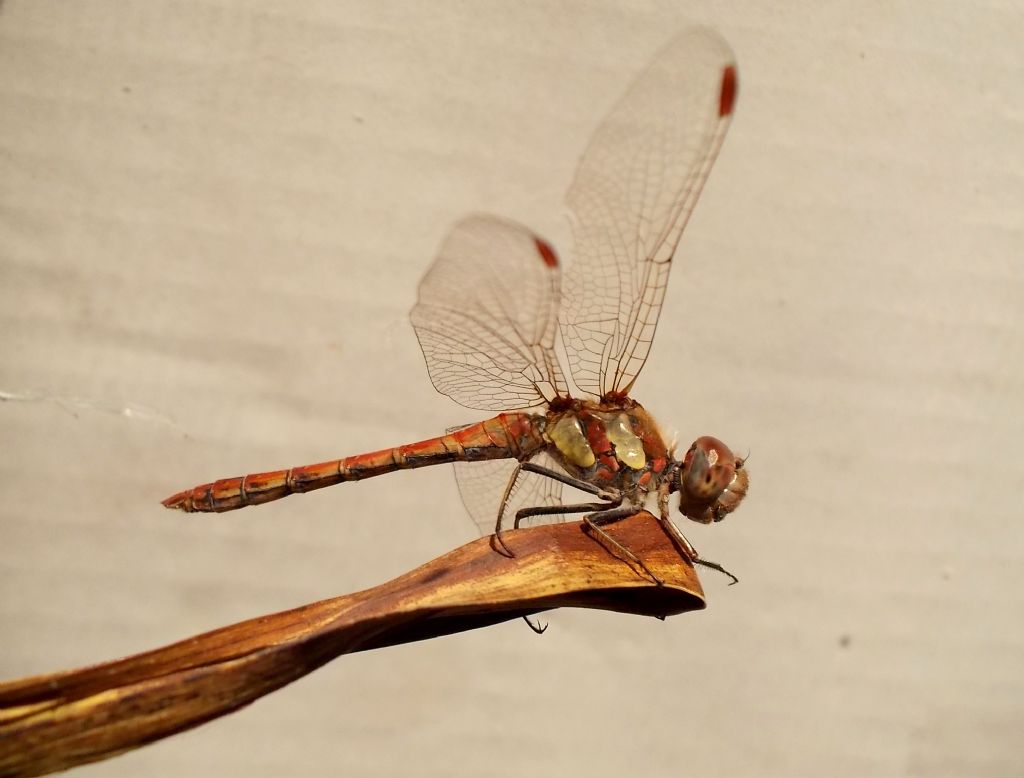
[[565, 478], [607, 512], [610, 516], [498, 539], [537, 628], [718, 567], [550, 510], [689, 551]]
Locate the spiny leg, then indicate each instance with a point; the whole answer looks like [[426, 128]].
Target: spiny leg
[[718, 567], [547, 510], [565, 478], [552, 510], [537, 628], [497, 538], [610, 516], [686, 547], [607, 512]]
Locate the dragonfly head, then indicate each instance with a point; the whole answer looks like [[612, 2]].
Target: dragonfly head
[[712, 481]]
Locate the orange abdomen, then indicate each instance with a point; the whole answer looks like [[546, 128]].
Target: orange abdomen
[[507, 436]]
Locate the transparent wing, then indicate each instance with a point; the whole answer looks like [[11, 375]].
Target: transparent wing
[[486, 317], [482, 484], [633, 193]]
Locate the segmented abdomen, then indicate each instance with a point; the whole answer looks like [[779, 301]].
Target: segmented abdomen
[[509, 435]]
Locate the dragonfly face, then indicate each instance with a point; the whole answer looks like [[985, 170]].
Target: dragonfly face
[[712, 481]]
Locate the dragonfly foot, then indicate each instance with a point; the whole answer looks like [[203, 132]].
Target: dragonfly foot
[[537, 628], [595, 520], [718, 567], [498, 544]]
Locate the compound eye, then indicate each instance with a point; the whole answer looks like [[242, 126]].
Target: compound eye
[[707, 471]]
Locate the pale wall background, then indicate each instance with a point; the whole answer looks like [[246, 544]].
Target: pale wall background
[[215, 214]]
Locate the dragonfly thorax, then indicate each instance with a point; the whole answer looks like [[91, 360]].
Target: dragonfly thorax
[[614, 444]]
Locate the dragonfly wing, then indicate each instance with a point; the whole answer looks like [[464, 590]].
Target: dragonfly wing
[[633, 193], [481, 485], [486, 317]]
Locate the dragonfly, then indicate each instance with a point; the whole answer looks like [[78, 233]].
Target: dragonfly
[[503, 329]]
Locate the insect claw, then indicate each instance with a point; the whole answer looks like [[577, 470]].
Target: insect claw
[[539, 630], [497, 540], [719, 568]]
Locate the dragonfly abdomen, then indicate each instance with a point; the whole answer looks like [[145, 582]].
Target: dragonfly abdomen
[[510, 435]]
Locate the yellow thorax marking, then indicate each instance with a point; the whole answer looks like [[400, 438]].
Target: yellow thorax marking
[[629, 449], [568, 437]]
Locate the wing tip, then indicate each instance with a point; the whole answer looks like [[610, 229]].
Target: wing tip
[[727, 93], [547, 253]]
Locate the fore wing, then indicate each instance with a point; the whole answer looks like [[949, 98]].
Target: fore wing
[[486, 317], [633, 193]]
